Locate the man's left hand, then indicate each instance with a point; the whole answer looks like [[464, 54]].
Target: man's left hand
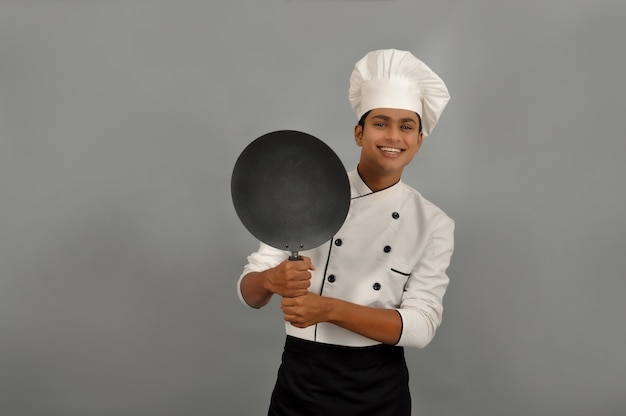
[[306, 310]]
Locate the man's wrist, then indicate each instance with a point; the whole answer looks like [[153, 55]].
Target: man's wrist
[[332, 309], [266, 281]]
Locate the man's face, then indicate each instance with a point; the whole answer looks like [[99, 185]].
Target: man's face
[[389, 139]]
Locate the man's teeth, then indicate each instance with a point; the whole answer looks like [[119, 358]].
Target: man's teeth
[[390, 149]]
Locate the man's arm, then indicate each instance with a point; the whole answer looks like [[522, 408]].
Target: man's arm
[[384, 325], [253, 289]]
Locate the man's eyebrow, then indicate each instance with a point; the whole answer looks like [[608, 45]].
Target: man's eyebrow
[[387, 118]]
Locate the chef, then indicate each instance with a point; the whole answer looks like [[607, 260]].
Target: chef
[[351, 305]]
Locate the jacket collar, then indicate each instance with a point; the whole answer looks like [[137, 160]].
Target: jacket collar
[[359, 188]]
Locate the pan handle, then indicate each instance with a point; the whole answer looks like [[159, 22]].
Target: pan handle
[[295, 256]]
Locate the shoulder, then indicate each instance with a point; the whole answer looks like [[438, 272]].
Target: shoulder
[[424, 209]]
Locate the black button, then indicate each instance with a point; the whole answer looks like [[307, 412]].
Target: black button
[[331, 278], [338, 242], [387, 249], [376, 286], [395, 215]]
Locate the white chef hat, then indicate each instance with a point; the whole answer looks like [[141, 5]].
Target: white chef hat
[[391, 78]]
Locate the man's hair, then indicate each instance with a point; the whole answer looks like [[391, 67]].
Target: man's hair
[[364, 116]]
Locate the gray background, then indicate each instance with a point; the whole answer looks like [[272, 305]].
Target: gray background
[[120, 122]]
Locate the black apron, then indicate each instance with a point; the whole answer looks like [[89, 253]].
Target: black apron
[[326, 380]]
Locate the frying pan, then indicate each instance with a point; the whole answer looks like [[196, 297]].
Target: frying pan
[[290, 190]]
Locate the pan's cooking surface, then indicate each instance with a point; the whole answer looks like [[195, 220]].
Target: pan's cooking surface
[[290, 190]]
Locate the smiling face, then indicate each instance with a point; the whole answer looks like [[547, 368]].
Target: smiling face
[[389, 139]]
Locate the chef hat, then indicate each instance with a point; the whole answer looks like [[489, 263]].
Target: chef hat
[[390, 78]]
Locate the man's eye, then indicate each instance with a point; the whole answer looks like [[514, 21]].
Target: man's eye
[[407, 127], [379, 124]]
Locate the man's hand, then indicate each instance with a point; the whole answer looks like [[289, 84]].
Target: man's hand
[[307, 310], [290, 278]]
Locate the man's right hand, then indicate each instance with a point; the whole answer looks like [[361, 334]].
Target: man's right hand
[[291, 278]]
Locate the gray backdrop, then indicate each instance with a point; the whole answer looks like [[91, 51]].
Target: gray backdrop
[[120, 122]]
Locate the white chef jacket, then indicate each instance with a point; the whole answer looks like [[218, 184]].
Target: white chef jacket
[[392, 252]]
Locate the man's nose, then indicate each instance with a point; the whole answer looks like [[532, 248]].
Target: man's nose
[[393, 132]]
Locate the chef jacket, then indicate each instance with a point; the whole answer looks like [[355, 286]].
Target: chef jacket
[[392, 252]]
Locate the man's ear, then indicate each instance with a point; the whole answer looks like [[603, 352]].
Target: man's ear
[[419, 140], [358, 134]]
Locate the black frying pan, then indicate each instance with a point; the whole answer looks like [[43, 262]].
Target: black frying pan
[[290, 190]]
